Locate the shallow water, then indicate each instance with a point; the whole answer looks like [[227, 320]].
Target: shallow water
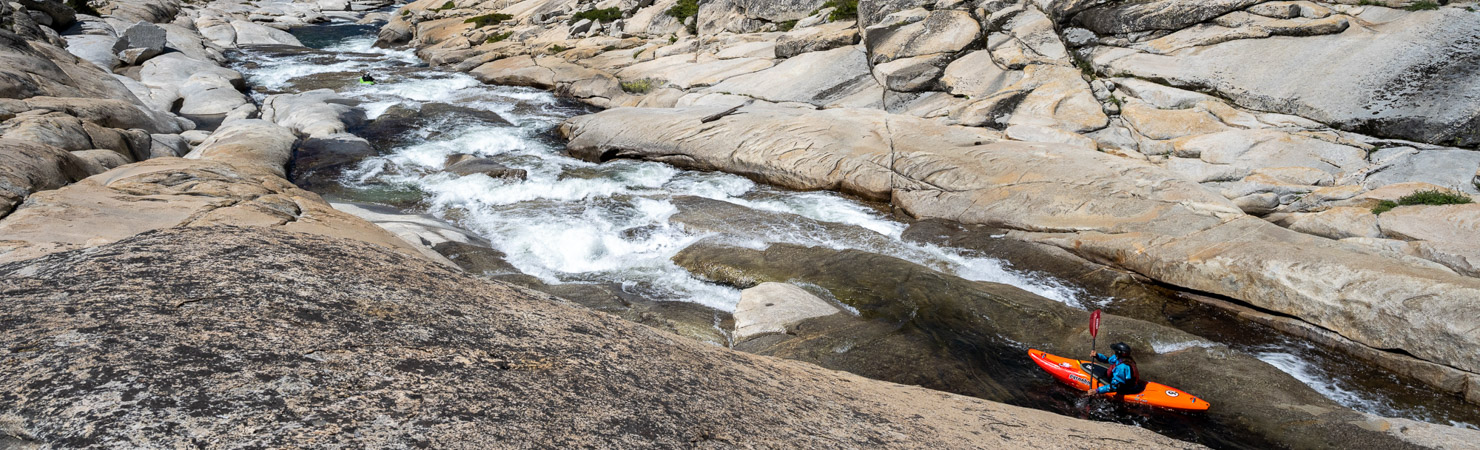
[[573, 221]]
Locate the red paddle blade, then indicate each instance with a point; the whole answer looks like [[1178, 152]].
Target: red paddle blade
[[1094, 323]]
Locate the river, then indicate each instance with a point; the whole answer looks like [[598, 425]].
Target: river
[[572, 221]]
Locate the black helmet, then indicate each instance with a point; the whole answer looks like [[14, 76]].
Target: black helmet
[[1121, 349]]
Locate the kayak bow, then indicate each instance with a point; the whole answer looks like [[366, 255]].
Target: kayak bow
[[1074, 373]]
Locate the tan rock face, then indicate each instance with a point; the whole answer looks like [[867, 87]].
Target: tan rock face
[[940, 32], [515, 71], [27, 167], [771, 307], [1169, 124], [1448, 234], [1339, 223], [827, 36], [847, 81], [977, 75], [682, 72], [256, 146]]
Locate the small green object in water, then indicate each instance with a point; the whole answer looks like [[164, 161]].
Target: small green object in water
[[364, 81]]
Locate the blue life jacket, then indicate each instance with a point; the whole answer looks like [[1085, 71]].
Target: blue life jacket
[[1123, 373]]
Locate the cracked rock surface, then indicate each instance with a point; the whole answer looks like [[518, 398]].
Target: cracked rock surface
[[226, 336]]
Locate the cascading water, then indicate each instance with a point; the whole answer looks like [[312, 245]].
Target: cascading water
[[572, 221], [576, 221]]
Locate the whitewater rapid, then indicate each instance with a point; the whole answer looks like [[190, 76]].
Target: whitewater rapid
[[575, 221]]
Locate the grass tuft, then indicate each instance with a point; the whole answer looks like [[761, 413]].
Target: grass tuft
[[498, 37], [642, 86], [1434, 197], [1384, 206], [1425, 5], [445, 6]]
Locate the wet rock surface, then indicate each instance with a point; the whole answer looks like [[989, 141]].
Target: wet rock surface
[[354, 345]]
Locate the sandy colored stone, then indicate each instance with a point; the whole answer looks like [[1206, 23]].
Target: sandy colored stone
[[1339, 223], [771, 307]]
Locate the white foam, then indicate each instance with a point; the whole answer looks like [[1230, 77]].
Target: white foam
[[1301, 369], [1169, 347]]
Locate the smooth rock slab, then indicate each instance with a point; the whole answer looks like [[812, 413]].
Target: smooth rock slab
[[940, 32], [771, 307], [847, 80], [1413, 76], [30, 167]]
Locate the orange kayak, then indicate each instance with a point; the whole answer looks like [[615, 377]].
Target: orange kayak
[[1076, 373]]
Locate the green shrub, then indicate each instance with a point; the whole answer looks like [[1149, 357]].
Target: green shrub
[[405, 12], [498, 37], [557, 48], [684, 10], [637, 86], [672, 39], [1085, 68], [787, 25], [842, 9], [1370, 3], [1434, 197], [487, 19], [445, 6], [599, 15], [1384, 206], [1425, 5]]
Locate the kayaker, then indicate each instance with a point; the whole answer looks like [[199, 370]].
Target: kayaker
[[1124, 378], [366, 79]]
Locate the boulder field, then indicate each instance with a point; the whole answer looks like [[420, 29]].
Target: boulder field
[[1238, 148]]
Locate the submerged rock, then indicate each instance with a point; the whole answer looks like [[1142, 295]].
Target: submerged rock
[[465, 165], [772, 307]]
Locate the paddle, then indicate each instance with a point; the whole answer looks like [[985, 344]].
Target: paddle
[[1094, 335]]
